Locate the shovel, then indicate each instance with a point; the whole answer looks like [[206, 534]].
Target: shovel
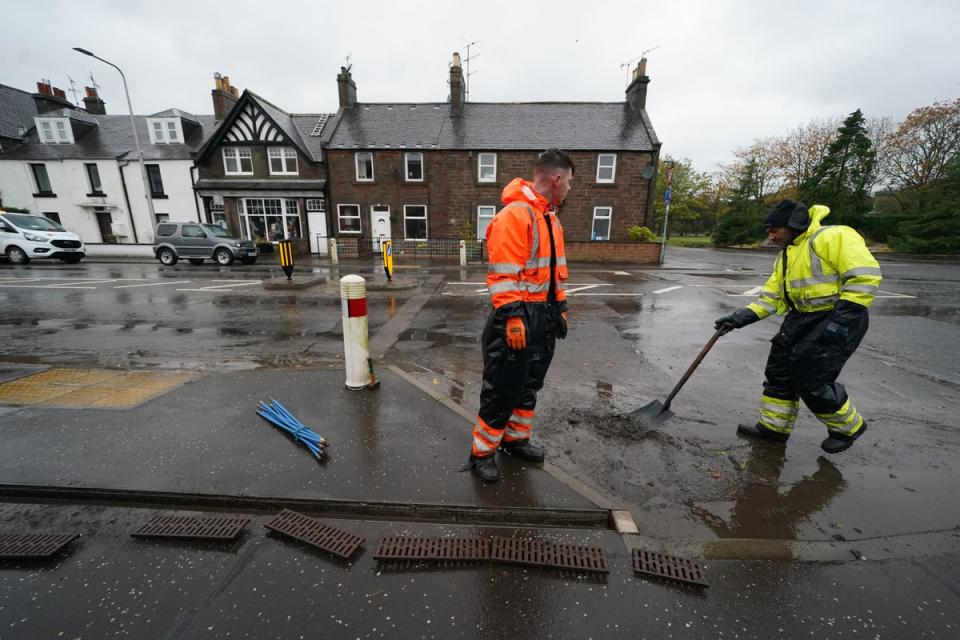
[[655, 412]]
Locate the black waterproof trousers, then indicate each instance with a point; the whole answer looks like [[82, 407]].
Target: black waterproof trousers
[[511, 379], [805, 362]]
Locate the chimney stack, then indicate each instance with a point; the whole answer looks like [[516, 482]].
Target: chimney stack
[[92, 102], [224, 96], [50, 98], [347, 88], [458, 90], [637, 91]]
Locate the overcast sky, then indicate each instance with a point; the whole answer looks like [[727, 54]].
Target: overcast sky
[[723, 72]]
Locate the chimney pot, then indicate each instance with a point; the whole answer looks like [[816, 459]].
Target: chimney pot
[[458, 90], [224, 96], [92, 102], [346, 89], [637, 90]]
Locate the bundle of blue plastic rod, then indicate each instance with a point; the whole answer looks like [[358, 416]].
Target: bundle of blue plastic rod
[[278, 415]]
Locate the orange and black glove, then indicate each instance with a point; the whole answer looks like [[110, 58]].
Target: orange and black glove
[[564, 325], [516, 334]]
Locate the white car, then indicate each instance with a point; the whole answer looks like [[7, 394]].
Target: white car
[[24, 237]]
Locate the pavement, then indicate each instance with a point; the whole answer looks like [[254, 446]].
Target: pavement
[[394, 467]]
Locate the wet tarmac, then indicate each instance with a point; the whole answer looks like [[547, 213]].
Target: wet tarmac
[[866, 541]]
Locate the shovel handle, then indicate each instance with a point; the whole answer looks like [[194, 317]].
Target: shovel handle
[[692, 368]]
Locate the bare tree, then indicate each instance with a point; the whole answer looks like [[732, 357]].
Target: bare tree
[[922, 146], [801, 151]]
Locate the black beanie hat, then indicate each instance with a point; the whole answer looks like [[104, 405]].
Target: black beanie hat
[[781, 216]]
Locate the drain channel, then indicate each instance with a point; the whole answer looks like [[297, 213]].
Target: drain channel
[[358, 509]]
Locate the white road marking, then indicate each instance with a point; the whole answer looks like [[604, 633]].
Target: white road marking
[[151, 284], [891, 294], [584, 287], [669, 289], [221, 287], [753, 292], [600, 293], [620, 273], [43, 286]]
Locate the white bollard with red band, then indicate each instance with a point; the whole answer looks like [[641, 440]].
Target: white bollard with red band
[[356, 342], [463, 253]]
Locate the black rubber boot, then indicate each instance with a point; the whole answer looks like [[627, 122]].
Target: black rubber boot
[[486, 468], [838, 442], [523, 449], [761, 432]]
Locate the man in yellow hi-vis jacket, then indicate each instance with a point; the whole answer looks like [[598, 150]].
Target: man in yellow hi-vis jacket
[[823, 280]]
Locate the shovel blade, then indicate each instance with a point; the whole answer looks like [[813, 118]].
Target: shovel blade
[[653, 413]]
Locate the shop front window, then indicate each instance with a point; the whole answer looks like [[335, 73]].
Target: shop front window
[[270, 219]]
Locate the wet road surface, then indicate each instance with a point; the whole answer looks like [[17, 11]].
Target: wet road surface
[[887, 501]]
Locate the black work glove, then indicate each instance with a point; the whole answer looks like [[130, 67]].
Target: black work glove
[[562, 326], [840, 320], [736, 320]]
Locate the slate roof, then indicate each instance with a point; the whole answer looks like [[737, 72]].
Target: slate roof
[[17, 109], [573, 126], [109, 136]]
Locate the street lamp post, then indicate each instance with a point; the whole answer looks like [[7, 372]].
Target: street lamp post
[[136, 137]]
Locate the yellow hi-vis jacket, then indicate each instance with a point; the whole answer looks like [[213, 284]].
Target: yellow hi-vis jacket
[[825, 264]]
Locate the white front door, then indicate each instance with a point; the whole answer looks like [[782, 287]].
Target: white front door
[[317, 221], [379, 225]]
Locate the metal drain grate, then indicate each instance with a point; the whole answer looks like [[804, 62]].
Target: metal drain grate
[[549, 554], [312, 531], [670, 567], [37, 545], [225, 528], [441, 549]]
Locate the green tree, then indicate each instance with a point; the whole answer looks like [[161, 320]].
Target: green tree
[[936, 226], [689, 197], [843, 178], [742, 220]]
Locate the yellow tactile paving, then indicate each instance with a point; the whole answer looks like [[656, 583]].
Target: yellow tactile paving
[[90, 388], [74, 376]]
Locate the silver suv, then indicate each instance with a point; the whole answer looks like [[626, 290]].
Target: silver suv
[[198, 242]]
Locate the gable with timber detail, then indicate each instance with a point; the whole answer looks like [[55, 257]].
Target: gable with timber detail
[[252, 125]]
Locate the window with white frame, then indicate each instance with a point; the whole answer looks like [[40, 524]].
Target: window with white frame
[[606, 167], [165, 130], [414, 222], [348, 218], [270, 219], [486, 167], [283, 160], [237, 161], [364, 160], [485, 214], [414, 162], [54, 130], [218, 213], [601, 223], [316, 204]]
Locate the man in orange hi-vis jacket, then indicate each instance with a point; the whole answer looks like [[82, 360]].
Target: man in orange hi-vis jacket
[[525, 277]]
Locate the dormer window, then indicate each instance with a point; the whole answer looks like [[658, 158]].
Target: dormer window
[[54, 130], [165, 130]]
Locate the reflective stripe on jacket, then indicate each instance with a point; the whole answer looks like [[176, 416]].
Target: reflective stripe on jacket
[[825, 264], [518, 245]]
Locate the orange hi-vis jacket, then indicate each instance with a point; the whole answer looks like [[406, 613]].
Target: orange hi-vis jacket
[[518, 245]]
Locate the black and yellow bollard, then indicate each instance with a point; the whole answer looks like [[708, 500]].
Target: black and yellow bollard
[[285, 247], [388, 259]]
